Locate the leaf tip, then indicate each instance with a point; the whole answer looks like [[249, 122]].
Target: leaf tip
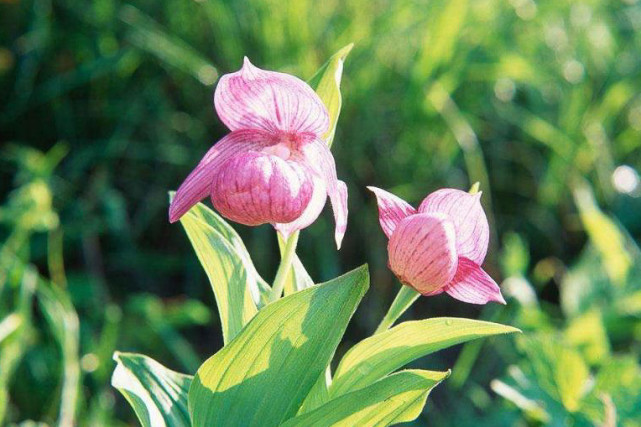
[[345, 50]]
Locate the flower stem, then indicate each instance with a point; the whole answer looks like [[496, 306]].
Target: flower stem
[[284, 267], [404, 299]]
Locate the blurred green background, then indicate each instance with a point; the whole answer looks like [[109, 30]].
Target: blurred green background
[[107, 105]]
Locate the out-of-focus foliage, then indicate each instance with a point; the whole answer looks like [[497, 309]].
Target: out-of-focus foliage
[[107, 106], [54, 360]]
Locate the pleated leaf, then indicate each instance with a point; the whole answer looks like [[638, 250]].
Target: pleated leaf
[[381, 354], [262, 377], [397, 398], [158, 395]]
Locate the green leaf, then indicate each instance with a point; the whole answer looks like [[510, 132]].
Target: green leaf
[[604, 234], [65, 326], [157, 394], [550, 382], [383, 353], [298, 278], [262, 377], [9, 325], [319, 394], [327, 84], [558, 368], [238, 288], [587, 334], [397, 398]]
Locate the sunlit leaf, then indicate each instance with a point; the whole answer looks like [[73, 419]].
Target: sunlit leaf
[[319, 394], [558, 369], [262, 377], [620, 377], [383, 353], [587, 333], [9, 325], [604, 234], [238, 288], [446, 24], [158, 395], [397, 398], [327, 84]]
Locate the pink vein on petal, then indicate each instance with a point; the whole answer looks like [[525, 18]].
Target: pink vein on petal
[[252, 98], [256, 188], [473, 285], [391, 210], [470, 222], [422, 252], [318, 156], [197, 185]]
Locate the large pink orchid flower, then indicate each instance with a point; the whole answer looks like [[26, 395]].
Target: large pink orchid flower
[[274, 167], [439, 247]]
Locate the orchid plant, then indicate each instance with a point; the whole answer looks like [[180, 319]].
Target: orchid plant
[[275, 166]]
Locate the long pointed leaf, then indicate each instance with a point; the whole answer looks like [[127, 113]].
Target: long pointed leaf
[[262, 377], [397, 398], [327, 84], [238, 288], [157, 394], [383, 353]]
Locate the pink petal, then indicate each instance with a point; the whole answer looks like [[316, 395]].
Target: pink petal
[[338, 200], [313, 210], [252, 98], [473, 285], [391, 210], [422, 252], [256, 188], [197, 185], [317, 156], [470, 222]]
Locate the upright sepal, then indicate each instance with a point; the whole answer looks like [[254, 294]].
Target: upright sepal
[[327, 84], [252, 98]]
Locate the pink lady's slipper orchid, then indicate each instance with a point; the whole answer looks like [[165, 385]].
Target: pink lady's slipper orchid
[[439, 247], [274, 166]]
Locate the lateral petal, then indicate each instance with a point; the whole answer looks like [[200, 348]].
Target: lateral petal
[[391, 210], [473, 285], [197, 185], [470, 222], [317, 156], [252, 98]]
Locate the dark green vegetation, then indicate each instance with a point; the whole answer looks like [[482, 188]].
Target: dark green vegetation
[[537, 101]]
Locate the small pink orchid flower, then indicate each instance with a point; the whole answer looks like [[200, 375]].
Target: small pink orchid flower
[[274, 166], [440, 247]]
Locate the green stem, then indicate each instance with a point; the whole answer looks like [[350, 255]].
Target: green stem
[[405, 298], [284, 267]]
